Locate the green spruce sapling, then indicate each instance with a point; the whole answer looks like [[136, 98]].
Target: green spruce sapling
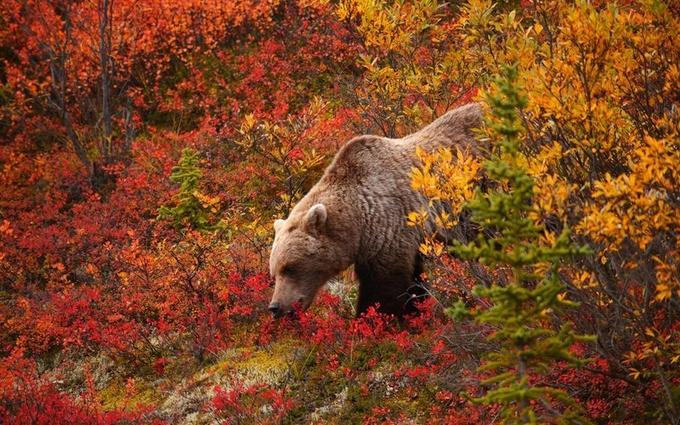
[[520, 309]]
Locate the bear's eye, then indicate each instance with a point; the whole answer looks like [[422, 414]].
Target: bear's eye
[[288, 270]]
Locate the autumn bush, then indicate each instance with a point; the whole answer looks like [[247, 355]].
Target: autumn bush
[[146, 148], [587, 71]]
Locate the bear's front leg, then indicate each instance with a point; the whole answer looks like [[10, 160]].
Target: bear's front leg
[[394, 288]]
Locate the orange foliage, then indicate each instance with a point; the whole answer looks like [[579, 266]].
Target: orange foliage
[[99, 99]]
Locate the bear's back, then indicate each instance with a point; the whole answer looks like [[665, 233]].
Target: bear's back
[[454, 129], [371, 161], [363, 156]]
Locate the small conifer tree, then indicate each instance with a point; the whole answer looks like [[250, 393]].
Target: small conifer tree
[[520, 309], [192, 208]]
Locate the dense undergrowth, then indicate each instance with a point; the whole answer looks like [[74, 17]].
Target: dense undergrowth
[[147, 147]]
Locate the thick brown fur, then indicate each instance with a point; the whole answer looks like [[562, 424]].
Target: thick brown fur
[[356, 214]]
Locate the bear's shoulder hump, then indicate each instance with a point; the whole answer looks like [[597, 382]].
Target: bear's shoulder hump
[[358, 146], [355, 158]]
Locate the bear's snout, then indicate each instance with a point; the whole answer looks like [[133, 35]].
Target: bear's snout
[[275, 309], [279, 310]]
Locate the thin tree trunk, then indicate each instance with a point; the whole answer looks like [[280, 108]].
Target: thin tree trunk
[[59, 78], [104, 59]]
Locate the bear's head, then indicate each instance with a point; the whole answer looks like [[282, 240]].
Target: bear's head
[[304, 257]]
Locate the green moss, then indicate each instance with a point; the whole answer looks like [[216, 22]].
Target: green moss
[[114, 396], [253, 364], [275, 358]]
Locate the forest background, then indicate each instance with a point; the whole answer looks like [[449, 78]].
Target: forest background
[[147, 146]]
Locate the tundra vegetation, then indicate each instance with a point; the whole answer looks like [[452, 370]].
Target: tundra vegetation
[[148, 145]]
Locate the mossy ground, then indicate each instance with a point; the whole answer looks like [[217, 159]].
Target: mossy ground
[[117, 396]]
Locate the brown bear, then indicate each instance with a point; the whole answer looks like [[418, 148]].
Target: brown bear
[[356, 214]]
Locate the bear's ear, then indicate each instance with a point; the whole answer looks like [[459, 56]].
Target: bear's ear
[[316, 217], [278, 224]]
